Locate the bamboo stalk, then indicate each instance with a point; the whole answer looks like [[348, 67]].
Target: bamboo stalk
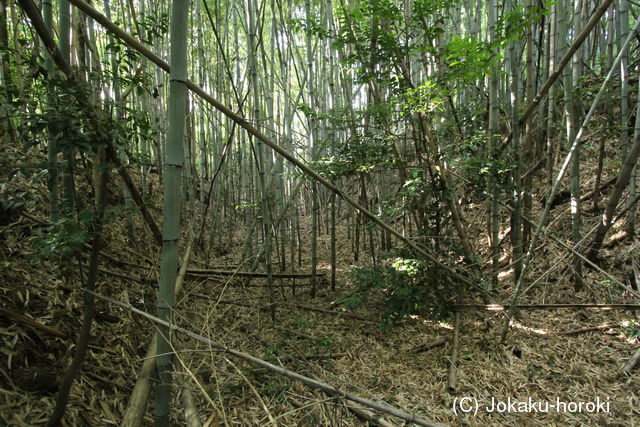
[[138, 401]]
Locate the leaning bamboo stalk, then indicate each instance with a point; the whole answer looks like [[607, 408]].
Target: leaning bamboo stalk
[[313, 383], [140, 395], [134, 44]]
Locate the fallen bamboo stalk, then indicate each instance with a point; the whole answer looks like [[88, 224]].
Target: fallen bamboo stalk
[[322, 310], [584, 330], [125, 277], [206, 272], [228, 284], [302, 307], [140, 395], [500, 307], [329, 389], [313, 357]]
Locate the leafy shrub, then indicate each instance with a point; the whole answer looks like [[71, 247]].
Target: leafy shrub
[[408, 287], [633, 330], [65, 237]]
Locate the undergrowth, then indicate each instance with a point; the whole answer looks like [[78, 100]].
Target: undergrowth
[[408, 286]]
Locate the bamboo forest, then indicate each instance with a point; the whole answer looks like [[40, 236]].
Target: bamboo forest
[[319, 212]]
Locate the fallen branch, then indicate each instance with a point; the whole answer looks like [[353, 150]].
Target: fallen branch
[[205, 272], [330, 390], [34, 324], [426, 347], [50, 330], [584, 330]]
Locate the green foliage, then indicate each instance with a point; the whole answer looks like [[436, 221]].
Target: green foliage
[[408, 287], [361, 154], [155, 28], [65, 237], [633, 330], [426, 98], [415, 187], [468, 60]]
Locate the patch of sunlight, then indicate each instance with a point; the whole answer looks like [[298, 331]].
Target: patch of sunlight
[[408, 265], [445, 325], [503, 232], [618, 236], [505, 274], [520, 326]]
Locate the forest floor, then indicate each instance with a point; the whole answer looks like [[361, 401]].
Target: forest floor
[[345, 348]]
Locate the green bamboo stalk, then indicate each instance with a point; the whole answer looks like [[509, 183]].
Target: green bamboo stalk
[[172, 203]]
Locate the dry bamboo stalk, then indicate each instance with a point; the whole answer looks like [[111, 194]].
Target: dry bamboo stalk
[[51, 330], [32, 323], [189, 403]]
